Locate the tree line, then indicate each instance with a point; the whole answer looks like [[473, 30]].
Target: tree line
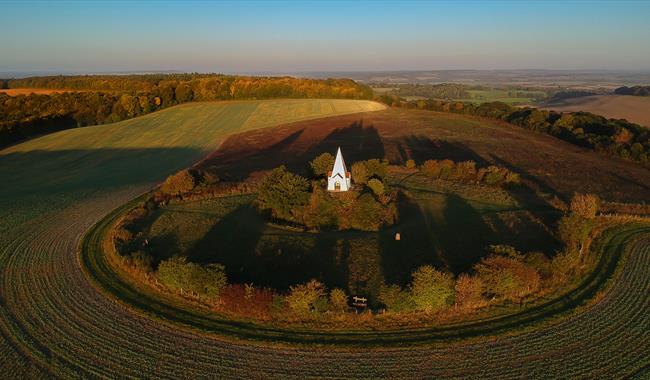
[[109, 98], [616, 137]]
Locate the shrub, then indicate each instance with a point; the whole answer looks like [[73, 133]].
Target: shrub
[[410, 164], [338, 302], [584, 205], [179, 183], [446, 166], [278, 303], [493, 175], [322, 164], [321, 211], [464, 171], [506, 277], [573, 231], [284, 193], [367, 214], [430, 168], [376, 186], [302, 298], [504, 250], [376, 168], [431, 289], [469, 291], [359, 173], [178, 274], [140, 261], [396, 299]]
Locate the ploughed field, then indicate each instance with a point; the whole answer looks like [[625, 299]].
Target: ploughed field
[[54, 323], [546, 164], [635, 109]]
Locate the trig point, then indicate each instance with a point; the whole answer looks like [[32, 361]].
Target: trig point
[[339, 179]]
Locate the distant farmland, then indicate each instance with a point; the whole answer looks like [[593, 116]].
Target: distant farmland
[[632, 108]]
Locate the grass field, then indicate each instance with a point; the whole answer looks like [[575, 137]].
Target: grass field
[[54, 323], [635, 109]]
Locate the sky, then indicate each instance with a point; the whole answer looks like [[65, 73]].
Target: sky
[[254, 37]]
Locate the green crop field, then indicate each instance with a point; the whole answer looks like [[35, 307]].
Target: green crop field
[[506, 96], [54, 323]]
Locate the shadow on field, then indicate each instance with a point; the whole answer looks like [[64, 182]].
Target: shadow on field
[[47, 172], [272, 257], [236, 160], [451, 236], [422, 148]]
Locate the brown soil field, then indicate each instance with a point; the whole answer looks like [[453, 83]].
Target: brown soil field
[[39, 91], [546, 164], [635, 109]]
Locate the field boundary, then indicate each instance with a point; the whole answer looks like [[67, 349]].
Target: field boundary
[[612, 246]]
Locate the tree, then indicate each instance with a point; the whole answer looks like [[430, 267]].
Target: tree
[[322, 164], [179, 183], [284, 193], [584, 205], [574, 232], [376, 168], [338, 301], [469, 291], [505, 277], [183, 93], [359, 173], [431, 289], [396, 299], [367, 214], [302, 298]]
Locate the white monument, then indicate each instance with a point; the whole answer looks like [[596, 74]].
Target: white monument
[[339, 178]]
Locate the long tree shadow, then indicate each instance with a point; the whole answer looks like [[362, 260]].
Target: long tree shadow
[[252, 252], [71, 171], [357, 141], [528, 198], [416, 246], [422, 148], [242, 154], [231, 242]]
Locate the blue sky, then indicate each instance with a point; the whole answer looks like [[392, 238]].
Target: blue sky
[[235, 37]]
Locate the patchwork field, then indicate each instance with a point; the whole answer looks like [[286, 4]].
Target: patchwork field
[[635, 109], [54, 323]]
